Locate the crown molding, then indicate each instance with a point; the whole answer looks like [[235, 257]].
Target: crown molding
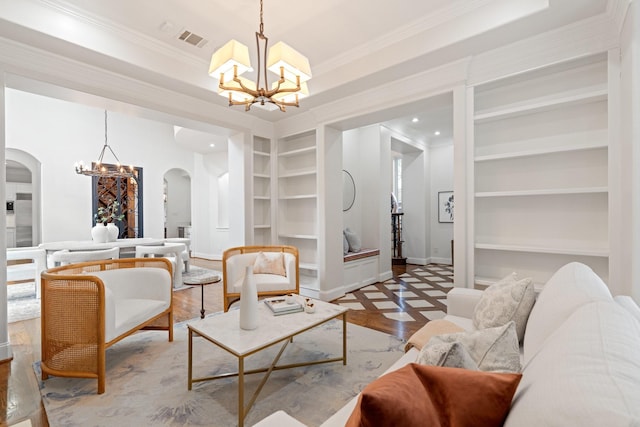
[[42, 67], [439, 17], [617, 10], [395, 93], [590, 36], [114, 30]]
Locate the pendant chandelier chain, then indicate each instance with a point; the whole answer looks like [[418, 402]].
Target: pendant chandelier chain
[[261, 20]]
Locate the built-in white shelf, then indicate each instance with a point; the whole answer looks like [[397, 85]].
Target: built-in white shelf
[[261, 153], [299, 197], [308, 266], [545, 192], [298, 173], [543, 151], [297, 152], [561, 100], [261, 175], [262, 226], [596, 252], [261, 198], [298, 236]]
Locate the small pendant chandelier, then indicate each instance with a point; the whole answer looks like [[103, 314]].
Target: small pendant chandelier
[[232, 60], [99, 169]]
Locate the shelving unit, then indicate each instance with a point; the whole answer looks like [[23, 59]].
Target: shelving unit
[[297, 223], [261, 191], [541, 172]]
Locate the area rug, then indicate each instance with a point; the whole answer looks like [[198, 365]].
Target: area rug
[[147, 381], [22, 303]]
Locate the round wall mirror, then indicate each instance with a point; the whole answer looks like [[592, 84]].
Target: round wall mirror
[[348, 191]]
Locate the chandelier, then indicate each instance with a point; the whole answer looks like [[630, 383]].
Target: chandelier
[[99, 169], [232, 60]]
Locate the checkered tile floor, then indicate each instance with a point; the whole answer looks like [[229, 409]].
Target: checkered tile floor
[[413, 297]]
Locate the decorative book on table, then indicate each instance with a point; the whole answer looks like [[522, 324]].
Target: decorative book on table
[[279, 305]]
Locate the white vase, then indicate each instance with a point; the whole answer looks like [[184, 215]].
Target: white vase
[[112, 232], [248, 301], [99, 233]]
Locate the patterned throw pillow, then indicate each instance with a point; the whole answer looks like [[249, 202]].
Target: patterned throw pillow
[[506, 300], [269, 263], [493, 349], [452, 355]]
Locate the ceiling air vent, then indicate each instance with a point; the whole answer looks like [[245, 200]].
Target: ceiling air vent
[[191, 38]]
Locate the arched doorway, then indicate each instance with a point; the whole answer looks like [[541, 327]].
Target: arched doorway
[[23, 184], [177, 203]]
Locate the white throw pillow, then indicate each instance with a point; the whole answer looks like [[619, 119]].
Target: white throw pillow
[[506, 300], [451, 355], [493, 349], [355, 245], [345, 244]]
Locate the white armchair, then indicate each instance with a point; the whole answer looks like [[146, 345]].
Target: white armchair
[[236, 260]]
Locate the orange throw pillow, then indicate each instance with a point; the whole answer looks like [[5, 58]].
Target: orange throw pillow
[[419, 395]]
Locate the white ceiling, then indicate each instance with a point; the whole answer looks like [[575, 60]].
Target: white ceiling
[[351, 45]]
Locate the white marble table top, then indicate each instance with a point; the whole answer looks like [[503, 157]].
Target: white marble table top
[[88, 245], [224, 328]]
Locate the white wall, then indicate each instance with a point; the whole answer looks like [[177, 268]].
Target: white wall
[[209, 239], [630, 154], [178, 201], [60, 133], [441, 179]]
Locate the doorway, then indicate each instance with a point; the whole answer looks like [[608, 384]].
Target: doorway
[[177, 203], [23, 196]]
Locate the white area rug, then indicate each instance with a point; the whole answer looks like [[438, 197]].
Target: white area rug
[[22, 303], [147, 381]]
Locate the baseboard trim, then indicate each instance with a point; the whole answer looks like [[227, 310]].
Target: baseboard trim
[[208, 257], [6, 354], [434, 260]]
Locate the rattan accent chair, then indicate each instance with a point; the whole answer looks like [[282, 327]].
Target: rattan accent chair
[[235, 260], [88, 307]]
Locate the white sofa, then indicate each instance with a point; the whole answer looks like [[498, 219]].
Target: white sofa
[[88, 307], [581, 355]]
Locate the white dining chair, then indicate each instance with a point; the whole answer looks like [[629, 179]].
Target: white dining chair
[[171, 251], [66, 256]]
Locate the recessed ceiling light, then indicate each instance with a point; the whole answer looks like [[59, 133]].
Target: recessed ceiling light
[[212, 145], [436, 133], [415, 120]]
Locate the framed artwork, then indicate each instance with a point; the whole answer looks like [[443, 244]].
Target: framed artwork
[[445, 206]]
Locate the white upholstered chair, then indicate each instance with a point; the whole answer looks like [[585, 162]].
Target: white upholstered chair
[[186, 254], [27, 271], [65, 256], [171, 251], [236, 260]]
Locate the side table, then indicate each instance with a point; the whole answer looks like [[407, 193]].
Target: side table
[[203, 280]]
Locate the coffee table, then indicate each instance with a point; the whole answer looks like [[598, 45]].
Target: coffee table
[[224, 331]]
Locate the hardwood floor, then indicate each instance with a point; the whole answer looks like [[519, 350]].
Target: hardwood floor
[[20, 398]]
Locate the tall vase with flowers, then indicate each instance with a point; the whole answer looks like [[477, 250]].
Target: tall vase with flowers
[[105, 230]]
